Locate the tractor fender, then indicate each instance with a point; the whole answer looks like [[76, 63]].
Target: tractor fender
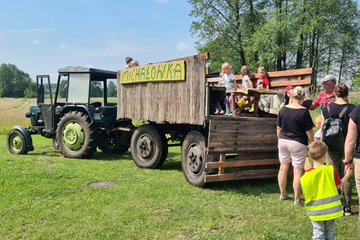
[[28, 139], [78, 108]]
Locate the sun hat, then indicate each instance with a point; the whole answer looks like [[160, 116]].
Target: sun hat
[[288, 88], [329, 77]]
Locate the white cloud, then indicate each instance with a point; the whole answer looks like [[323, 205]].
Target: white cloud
[[114, 49], [182, 47], [36, 42], [161, 1], [63, 45]]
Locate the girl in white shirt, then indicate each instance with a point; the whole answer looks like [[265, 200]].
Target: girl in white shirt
[[227, 81]]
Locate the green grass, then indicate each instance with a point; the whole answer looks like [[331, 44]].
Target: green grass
[[45, 196]]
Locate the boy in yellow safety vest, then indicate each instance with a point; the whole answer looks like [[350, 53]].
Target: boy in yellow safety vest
[[320, 186]]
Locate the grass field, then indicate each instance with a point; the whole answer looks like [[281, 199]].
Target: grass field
[[46, 196]]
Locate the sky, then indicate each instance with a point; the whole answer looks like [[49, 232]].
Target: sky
[[40, 37]]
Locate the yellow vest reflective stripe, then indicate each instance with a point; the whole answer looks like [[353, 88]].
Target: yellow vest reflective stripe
[[321, 196]]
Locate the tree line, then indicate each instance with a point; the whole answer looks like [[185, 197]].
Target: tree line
[[15, 83], [280, 35]]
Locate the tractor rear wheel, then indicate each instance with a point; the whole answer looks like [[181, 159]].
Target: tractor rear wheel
[[76, 136]]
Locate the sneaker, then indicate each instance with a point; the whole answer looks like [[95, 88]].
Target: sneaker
[[301, 204], [347, 211], [222, 112]]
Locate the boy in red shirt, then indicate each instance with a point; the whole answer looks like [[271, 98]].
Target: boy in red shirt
[[263, 81]]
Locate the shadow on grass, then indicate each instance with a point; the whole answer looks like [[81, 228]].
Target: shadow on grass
[[250, 186]]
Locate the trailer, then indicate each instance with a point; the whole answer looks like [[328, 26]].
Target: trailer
[[176, 99]]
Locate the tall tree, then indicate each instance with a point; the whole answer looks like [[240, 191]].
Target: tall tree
[[280, 34], [13, 82]]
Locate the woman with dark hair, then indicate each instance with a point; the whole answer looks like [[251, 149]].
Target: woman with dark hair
[[335, 157], [294, 131]]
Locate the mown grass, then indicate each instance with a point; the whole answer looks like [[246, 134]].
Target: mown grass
[[46, 196]]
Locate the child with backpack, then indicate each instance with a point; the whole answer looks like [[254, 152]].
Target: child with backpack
[[334, 130]]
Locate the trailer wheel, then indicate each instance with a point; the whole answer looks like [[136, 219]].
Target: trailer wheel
[[148, 147], [16, 142], [55, 144], [193, 158], [76, 136]]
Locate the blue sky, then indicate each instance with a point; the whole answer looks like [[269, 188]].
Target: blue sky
[[40, 37]]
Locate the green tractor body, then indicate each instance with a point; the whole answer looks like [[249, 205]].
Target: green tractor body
[[79, 117]]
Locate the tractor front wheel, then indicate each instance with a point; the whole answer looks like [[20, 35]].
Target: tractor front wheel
[[16, 142]]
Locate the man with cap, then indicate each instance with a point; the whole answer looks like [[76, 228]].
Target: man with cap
[[327, 96]]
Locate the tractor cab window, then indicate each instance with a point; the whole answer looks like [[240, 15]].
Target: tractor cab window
[[78, 88], [97, 92], [63, 87], [111, 91]]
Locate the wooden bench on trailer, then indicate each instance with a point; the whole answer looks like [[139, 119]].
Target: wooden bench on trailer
[[251, 142]]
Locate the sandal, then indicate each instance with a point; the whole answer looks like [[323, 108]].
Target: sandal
[[301, 203], [288, 197]]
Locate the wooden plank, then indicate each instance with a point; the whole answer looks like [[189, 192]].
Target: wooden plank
[[222, 160], [233, 136], [292, 83], [280, 74], [267, 126], [205, 56], [221, 177], [207, 70], [255, 174], [287, 73], [256, 156], [242, 163], [249, 148]]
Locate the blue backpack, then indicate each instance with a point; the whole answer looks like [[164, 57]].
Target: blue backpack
[[333, 131]]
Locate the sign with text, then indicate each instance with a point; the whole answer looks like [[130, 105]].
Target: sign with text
[[163, 72]]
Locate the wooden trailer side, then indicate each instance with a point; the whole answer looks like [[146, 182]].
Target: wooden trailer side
[[254, 141], [182, 102]]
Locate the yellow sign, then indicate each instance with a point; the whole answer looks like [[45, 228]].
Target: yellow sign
[[172, 71]]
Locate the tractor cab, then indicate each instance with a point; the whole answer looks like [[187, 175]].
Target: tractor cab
[[87, 90]]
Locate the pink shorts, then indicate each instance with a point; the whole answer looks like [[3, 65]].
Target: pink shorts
[[292, 152]]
